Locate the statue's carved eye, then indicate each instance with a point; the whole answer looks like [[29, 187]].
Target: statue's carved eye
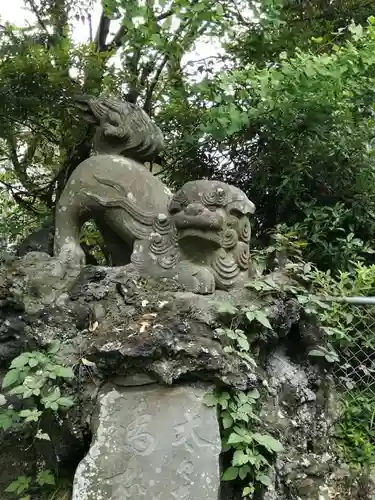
[[178, 203], [217, 197]]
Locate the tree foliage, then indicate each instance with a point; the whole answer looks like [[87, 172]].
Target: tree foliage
[[297, 136], [136, 52], [283, 109]]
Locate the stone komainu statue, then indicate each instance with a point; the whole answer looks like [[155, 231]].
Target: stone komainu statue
[[199, 236]]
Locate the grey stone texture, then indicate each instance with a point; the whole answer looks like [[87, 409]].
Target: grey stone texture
[[199, 236], [204, 242], [115, 327], [121, 128], [156, 442], [120, 195]]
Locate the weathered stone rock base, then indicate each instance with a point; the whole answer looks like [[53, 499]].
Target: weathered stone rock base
[[151, 442]]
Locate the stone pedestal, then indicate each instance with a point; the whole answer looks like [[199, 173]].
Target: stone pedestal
[[154, 442]]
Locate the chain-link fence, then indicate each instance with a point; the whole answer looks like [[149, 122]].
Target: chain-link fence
[[351, 333], [353, 337]]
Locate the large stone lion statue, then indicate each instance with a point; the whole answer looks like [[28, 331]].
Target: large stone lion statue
[[198, 236]]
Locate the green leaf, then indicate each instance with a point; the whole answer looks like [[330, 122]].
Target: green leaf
[[226, 308], [6, 420], [242, 397], [54, 395], [223, 400], [219, 9], [315, 352], [42, 435], [157, 39], [167, 23], [227, 422], [45, 477], [27, 393], [50, 401], [12, 487], [54, 347], [254, 394], [268, 442], [65, 402], [33, 362], [21, 484], [11, 378], [250, 316], [264, 479], [262, 318], [30, 415], [19, 361], [257, 285], [246, 357], [235, 438], [244, 471], [356, 30], [19, 389], [248, 490], [210, 399], [230, 334], [230, 474], [331, 358], [64, 371], [243, 343], [239, 458]]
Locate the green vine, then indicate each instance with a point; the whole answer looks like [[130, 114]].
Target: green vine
[[251, 451], [34, 377]]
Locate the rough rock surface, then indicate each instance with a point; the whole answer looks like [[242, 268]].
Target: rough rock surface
[[117, 329], [301, 406], [121, 324], [151, 442]]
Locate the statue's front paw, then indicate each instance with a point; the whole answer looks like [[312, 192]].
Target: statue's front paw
[[71, 254], [196, 279], [205, 280]]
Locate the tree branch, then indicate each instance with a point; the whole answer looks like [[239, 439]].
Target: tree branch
[[89, 18], [163, 16], [18, 198], [117, 39], [154, 81], [35, 11], [30, 152], [102, 32], [20, 168]]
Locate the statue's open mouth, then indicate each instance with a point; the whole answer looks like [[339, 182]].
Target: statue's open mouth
[[204, 222], [192, 234]]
